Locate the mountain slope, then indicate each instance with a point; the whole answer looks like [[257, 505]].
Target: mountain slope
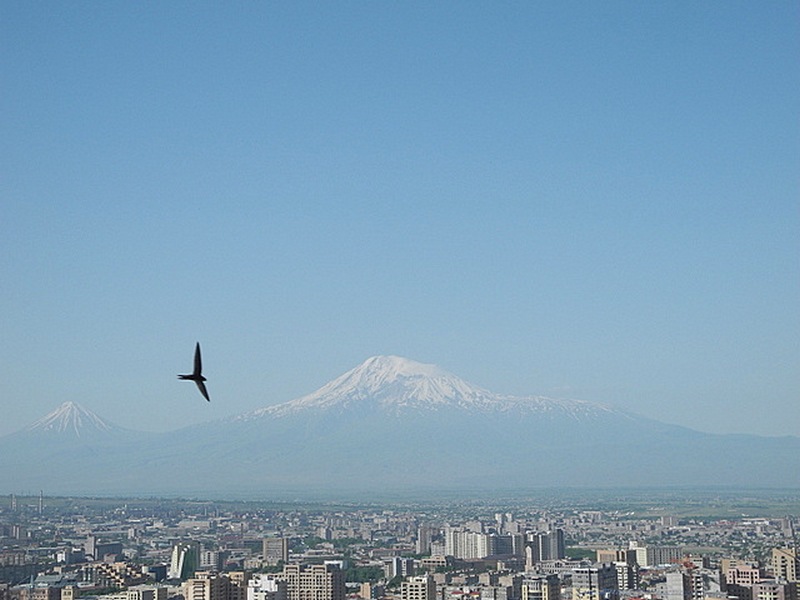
[[386, 426], [71, 419], [398, 386]]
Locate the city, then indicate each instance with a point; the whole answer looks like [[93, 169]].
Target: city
[[544, 549]]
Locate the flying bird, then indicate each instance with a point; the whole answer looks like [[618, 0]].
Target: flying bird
[[197, 374]]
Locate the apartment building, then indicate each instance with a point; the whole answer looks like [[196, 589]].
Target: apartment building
[[418, 588]]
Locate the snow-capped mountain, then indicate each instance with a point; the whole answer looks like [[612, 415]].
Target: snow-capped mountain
[[398, 385], [72, 419], [390, 425]]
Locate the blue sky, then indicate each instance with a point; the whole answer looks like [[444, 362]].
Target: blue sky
[[593, 200]]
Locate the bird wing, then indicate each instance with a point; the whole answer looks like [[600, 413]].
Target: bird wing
[[202, 387], [198, 363]]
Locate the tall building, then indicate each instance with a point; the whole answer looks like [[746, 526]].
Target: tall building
[[509, 544], [237, 587], [275, 550], [469, 544], [313, 582], [206, 585], [627, 575], [662, 555], [675, 586], [397, 566], [771, 589], [548, 545], [423, 543], [692, 584], [418, 588], [594, 583], [541, 587], [640, 553], [784, 563], [184, 561]]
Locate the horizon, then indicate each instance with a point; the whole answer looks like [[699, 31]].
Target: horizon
[[111, 421], [418, 368], [588, 202]]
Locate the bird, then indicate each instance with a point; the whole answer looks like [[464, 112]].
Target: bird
[[197, 374]]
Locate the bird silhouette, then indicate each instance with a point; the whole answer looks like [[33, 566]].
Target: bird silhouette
[[197, 374]]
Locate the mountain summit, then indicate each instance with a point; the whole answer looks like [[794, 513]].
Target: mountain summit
[[72, 419], [397, 385]]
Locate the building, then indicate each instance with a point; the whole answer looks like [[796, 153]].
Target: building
[[423, 542], [743, 574], [692, 584], [435, 562], [784, 563], [237, 587], [213, 586], [510, 544], [548, 545], [99, 551], [418, 588], [263, 586], [662, 555], [206, 586], [640, 554], [111, 575], [541, 587], [459, 543], [313, 582], [275, 550], [616, 555], [594, 583], [184, 561], [397, 566], [212, 560], [771, 589], [627, 575]]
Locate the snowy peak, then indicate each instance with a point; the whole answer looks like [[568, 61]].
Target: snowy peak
[[398, 385], [72, 419], [380, 370], [379, 374], [391, 383]]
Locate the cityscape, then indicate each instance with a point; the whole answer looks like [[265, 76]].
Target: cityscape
[[560, 546], [453, 300]]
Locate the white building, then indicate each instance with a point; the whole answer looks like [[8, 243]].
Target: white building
[[264, 586]]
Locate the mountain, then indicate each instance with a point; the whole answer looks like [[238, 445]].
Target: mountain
[[71, 449], [71, 419], [397, 386], [390, 426]]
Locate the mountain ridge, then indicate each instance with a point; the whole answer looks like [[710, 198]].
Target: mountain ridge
[[396, 385], [392, 424]]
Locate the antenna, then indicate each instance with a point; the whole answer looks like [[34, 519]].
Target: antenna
[[794, 547]]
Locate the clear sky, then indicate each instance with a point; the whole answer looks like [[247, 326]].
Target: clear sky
[[591, 200]]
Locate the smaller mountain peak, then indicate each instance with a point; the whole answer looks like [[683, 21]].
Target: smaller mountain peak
[[71, 418]]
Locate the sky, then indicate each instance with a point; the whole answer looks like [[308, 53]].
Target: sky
[[588, 200]]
